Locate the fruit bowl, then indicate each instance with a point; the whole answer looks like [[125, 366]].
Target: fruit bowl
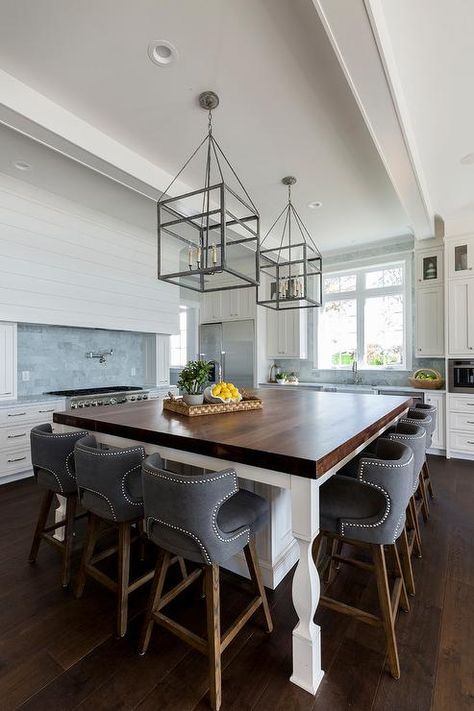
[[209, 397]]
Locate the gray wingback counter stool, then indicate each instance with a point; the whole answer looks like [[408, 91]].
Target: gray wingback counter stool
[[204, 518], [52, 456], [432, 411], [110, 490], [369, 512], [420, 418], [414, 437]]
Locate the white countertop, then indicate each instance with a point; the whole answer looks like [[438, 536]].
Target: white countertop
[[354, 387], [30, 400]]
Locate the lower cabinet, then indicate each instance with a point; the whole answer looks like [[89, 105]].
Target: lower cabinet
[[460, 425], [16, 422], [439, 435]]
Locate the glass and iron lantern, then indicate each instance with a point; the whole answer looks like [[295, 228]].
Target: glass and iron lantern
[[291, 269], [209, 238]]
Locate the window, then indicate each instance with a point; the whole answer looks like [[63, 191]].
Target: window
[[364, 318], [179, 342]]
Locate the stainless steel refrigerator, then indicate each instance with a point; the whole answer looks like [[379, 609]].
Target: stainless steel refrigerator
[[231, 346]]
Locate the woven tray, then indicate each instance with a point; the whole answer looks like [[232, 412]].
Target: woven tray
[[210, 408], [427, 384]]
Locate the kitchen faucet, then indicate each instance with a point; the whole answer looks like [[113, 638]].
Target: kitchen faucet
[[355, 373]]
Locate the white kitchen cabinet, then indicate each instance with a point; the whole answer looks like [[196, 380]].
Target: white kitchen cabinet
[[439, 435], [460, 257], [461, 425], [162, 360], [228, 305], [429, 267], [8, 376], [461, 317], [16, 422], [429, 322], [287, 334]]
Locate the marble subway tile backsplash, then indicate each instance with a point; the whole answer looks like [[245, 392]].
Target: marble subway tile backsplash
[[55, 358]]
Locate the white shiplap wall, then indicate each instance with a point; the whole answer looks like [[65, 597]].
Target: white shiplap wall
[[63, 263]]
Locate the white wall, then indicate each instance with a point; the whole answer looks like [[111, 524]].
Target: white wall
[[64, 263]]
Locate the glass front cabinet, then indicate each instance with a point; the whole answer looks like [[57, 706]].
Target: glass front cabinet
[[429, 267], [461, 257]]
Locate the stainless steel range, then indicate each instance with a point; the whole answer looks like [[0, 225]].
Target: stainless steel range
[[95, 397]]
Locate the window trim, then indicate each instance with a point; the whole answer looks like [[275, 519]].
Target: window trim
[[404, 259]]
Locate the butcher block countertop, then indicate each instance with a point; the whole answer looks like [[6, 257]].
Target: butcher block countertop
[[297, 432]]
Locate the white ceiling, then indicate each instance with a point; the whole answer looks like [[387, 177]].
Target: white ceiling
[[432, 49], [285, 105]]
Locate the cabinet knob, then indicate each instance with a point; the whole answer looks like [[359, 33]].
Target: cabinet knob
[[419, 349]]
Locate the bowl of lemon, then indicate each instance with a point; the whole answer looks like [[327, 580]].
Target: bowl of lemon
[[222, 392]]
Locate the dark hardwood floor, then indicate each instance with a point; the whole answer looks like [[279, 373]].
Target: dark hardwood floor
[[58, 653]]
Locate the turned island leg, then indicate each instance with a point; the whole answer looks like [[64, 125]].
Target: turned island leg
[[307, 672]]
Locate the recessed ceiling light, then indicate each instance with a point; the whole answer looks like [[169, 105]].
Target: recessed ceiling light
[[315, 205], [162, 53], [467, 159], [21, 165]]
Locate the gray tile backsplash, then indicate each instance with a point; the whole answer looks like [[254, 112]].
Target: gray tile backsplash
[[55, 358]]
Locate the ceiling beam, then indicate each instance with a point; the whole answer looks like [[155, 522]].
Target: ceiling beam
[[33, 114], [358, 36]]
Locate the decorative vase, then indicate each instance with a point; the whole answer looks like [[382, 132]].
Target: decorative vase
[[193, 399]]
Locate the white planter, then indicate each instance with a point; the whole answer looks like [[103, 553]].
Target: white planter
[[193, 399]]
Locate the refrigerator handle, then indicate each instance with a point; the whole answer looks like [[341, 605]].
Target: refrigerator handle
[[223, 366]]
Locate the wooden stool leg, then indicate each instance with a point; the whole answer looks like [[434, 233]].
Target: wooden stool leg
[[213, 634], [41, 524], [416, 527], [404, 602], [154, 599], [425, 509], [123, 578], [405, 561], [71, 504], [182, 567], [386, 609], [141, 533], [87, 551], [256, 577], [426, 474]]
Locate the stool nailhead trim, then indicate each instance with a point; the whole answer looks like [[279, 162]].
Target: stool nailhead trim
[[183, 530]]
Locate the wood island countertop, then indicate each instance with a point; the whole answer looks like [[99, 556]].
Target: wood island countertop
[[297, 432]]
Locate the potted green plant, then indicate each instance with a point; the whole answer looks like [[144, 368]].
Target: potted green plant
[[192, 379], [281, 378]]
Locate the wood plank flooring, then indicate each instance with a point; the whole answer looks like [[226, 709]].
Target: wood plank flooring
[[58, 653]]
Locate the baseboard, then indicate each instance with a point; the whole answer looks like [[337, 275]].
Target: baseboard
[[272, 574], [16, 477]]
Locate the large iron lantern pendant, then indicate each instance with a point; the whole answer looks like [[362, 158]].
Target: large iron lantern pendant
[[209, 239], [291, 270]]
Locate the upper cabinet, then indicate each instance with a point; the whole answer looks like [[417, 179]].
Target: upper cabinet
[[460, 257], [287, 334], [461, 317], [429, 302], [429, 267], [8, 376], [228, 305], [429, 322]]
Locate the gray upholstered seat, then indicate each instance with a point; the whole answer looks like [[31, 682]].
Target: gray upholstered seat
[[52, 457], [414, 437], [344, 498], [203, 517], [109, 481], [416, 416], [430, 410], [372, 508]]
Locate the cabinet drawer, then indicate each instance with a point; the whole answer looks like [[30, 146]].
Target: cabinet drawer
[[14, 436], [462, 442], [461, 421], [29, 413], [14, 461], [461, 404]]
